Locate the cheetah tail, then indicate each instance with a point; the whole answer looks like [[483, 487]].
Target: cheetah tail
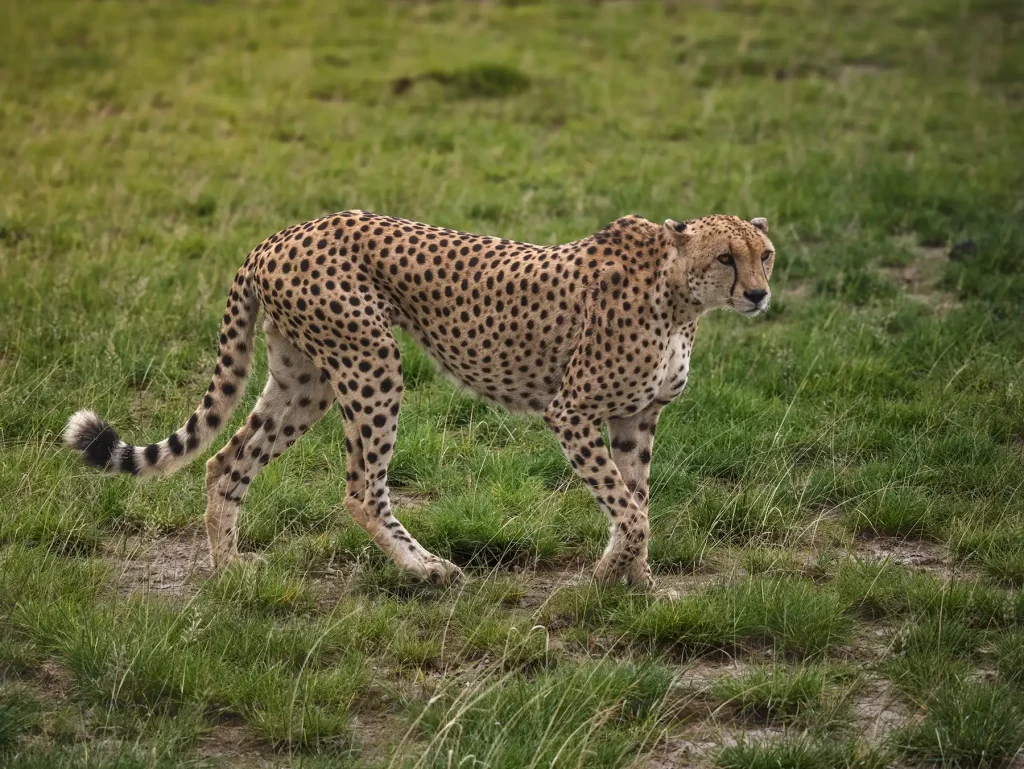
[[101, 447]]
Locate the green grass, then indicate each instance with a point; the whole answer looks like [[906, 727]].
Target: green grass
[[800, 753], [999, 550], [968, 725], [929, 653], [592, 715], [1010, 658], [792, 617], [19, 714], [839, 488], [808, 694]]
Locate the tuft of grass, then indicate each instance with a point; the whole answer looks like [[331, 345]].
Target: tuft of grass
[[887, 591], [967, 724], [481, 81], [310, 713], [19, 715], [19, 654], [801, 752], [109, 756], [999, 551], [506, 644], [770, 562], [818, 694], [143, 657], [492, 527], [590, 605], [170, 737], [949, 637], [904, 512], [1009, 654], [929, 654], [262, 589], [791, 616], [597, 714]]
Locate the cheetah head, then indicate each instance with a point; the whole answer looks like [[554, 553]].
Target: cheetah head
[[723, 261]]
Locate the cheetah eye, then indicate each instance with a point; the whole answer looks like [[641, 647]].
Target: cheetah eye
[[725, 258], [767, 255]]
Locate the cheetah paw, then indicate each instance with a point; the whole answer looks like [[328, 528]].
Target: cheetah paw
[[254, 559], [639, 575], [609, 571], [438, 571]]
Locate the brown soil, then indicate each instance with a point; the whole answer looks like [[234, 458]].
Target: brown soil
[[164, 565], [920, 279], [232, 744], [916, 554], [878, 711]]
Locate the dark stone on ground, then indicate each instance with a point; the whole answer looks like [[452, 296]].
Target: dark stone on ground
[[962, 251]]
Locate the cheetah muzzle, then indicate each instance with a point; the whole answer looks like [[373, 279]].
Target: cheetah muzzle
[[590, 332]]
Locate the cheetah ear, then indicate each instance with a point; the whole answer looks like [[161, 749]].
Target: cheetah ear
[[676, 230], [761, 223]]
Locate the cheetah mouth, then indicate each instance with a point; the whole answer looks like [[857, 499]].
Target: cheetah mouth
[[748, 309], [751, 310]]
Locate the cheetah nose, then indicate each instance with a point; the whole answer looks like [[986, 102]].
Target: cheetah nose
[[755, 295]]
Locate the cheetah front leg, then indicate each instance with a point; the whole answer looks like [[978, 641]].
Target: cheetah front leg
[[626, 554], [370, 392], [632, 441]]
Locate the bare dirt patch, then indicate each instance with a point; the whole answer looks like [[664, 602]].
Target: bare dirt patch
[[927, 556], [921, 277], [695, 746], [878, 711], [696, 680], [919, 555], [672, 587], [232, 744], [164, 565], [542, 585], [377, 737], [55, 681], [679, 752], [409, 499], [856, 69]]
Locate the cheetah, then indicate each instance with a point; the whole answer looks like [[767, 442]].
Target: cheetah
[[592, 332]]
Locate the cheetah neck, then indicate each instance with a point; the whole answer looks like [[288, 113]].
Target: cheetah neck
[[684, 303]]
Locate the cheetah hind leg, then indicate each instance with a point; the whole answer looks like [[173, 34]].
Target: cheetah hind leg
[[294, 399]]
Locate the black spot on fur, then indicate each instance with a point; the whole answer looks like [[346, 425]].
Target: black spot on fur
[[128, 461]]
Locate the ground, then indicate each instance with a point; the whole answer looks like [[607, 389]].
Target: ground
[[836, 498]]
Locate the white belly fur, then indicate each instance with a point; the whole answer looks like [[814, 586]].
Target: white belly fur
[[677, 369]]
